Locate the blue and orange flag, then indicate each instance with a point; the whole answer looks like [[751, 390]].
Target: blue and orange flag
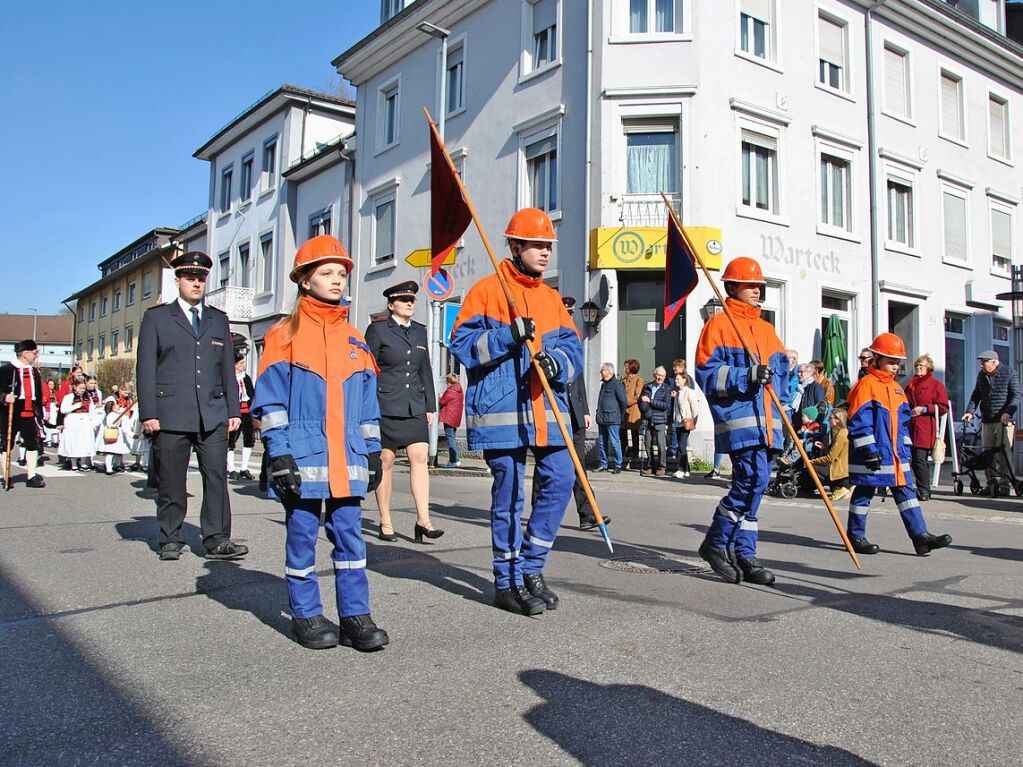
[[449, 214], [680, 276]]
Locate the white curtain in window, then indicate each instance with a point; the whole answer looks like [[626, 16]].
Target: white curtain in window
[[997, 111], [545, 15], [651, 164], [638, 21], [664, 16], [832, 41], [955, 226]]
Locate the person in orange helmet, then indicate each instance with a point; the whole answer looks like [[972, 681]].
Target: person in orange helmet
[[880, 454]]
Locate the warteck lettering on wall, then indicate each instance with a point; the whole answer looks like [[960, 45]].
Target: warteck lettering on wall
[[774, 249]]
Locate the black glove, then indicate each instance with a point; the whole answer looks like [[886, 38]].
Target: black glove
[[760, 374], [548, 364], [872, 462], [285, 476], [376, 471], [523, 328]]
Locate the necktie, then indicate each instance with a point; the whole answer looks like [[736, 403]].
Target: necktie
[[26, 391], [195, 320]]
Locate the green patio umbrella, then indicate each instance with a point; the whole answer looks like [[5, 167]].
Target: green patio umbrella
[[836, 357]]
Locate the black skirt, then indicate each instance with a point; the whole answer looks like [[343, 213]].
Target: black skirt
[[397, 433]]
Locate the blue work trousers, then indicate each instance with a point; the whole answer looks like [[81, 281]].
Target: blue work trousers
[[513, 555], [344, 529], [735, 519], [609, 441], [906, 500]]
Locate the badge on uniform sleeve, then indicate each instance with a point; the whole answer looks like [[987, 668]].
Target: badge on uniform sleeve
[[421, 347], [217, 343], [353, 355]]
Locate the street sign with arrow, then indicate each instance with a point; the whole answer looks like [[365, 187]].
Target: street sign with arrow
[[420, 259]]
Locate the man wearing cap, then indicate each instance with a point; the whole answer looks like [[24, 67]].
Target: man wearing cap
[[188, 399], [23, 387], [996, 398]]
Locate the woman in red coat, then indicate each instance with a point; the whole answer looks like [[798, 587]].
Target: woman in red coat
[[451, 405], [927, 396]]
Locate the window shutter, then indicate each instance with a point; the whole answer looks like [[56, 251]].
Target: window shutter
[[651, 125], [955, 226], [1001, 234], [997, 111], [950, 108], [832, 41], [543, 146], [545, 14], [384, 246], [759, 139], [895, 81], [758, 9], [455, 56]]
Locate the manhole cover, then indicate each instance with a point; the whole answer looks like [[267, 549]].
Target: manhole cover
[[656, 564], [74, 551]]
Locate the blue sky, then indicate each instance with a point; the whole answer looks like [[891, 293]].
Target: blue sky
[[103, 103]]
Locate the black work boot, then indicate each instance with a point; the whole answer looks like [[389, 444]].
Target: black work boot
[[36, 481], [535, 585], [316, 633], [863, 546], [518, 600], [360, 632], [926, 543], [720, 562], [754, 572]]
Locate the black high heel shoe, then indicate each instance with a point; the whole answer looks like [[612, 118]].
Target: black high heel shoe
[[421, 531], [386, 536]]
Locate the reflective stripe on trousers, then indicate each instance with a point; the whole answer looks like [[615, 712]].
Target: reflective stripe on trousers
[[735, 519], [906, 501]]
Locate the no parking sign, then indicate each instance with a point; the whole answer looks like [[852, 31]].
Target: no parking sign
[[439, 286]]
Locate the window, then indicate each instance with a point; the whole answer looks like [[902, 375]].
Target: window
[[844, 306], [102, 346], [319, 223], [900, 212], [455, 82], [92, 311], [246, 186], [103, 306], [836, 192], [81, 347], [954, 205], [545, 33], [131, 294], [147, 285], [388, 105], [1001, 240], [896, 82], [244, 266], [225, 189], [113, 342], [542, 172], [755, 28], [129, 338], [269, 163], [81, 315], [92, 347], [1001, 340], [998, 127], [117, 301], [390, 8], [952, 123], [383, 229], [665, 15], [771, 304], [759, 171], [225, 268], [832, 64], [651, 151], [266, 253]]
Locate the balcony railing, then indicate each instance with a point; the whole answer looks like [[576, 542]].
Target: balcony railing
[[236, 302], [646, 209]]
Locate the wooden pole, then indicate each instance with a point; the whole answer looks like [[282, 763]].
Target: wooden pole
[[7, 456], [770, 389]]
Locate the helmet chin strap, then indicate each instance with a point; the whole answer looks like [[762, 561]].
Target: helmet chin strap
[[517, 261]]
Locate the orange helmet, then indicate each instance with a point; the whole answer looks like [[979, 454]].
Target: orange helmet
[[320, 249], [889, 345], [744, 269], [531, 224]]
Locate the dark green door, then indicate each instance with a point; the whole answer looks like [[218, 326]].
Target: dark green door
[[641, 334]]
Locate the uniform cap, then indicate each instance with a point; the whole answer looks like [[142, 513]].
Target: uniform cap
[[744, 269], [321, 249], [532, 225], [987, 356], [192, 262], [569, 302], [402, 291], [889, 345]]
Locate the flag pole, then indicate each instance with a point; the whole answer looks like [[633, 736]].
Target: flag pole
[[513, 312], [770, 389]]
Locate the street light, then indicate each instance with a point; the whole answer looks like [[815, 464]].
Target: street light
[[35, 317], [591, 314], [709, 309], [441, 34]]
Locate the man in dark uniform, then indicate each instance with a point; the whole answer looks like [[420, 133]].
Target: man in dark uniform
[[188, 398], [22, 385]]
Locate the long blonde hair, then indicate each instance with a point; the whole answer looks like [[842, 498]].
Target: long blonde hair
[[288, 325]]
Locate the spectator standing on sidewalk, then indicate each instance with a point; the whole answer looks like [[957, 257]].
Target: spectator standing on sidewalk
[[995, 398], [633, 417], [655, 402], [611, 406], [821, 376], [685, 411], [865, 358], [452, 401], [927, 396]]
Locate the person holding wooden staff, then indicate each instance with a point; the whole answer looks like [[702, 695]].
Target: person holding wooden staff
[[505, 409], [23, 404], [747, 425]]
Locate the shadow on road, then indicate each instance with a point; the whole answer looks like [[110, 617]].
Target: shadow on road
[[634, 724], [146, 530], [1014, 555], [258, 593], [417, 565]]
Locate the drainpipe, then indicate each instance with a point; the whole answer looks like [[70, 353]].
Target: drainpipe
[[588, 166], [875, 230], [305, 116], [74, 331]]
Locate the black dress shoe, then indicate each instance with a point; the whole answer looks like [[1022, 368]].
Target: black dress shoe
[[616, 470], [518, 600], [754, 572], [863, 546], [245, 475], [589, 524], [360, 632], [36, 481], [316, 633], [170, 552], [926, 543], [535, 585], [429, 532], [227, 550], [720, 561], [386, 536], [232, 475]]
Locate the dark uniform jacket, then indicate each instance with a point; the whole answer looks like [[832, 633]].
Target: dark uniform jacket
[[10, 383], [186, 381], [405, 382]]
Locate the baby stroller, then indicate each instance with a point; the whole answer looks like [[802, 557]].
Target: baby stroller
[[973, 457], [790, 478]]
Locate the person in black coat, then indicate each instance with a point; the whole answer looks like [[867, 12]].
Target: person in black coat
[[408, 405], [23, 396], [655, 404], [188, 399], [247, 431], [611, 405]]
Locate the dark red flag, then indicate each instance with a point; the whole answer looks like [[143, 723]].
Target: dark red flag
[[680, 276], [449, 213]]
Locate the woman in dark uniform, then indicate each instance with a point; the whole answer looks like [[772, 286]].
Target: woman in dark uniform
[[408, 404]]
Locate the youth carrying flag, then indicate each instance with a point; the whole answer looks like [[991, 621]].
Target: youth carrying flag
[[449, 214], [680, 275]]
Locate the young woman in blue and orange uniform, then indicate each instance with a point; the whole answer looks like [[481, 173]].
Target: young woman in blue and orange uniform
[[747, 425], [881, 450], [317, 402], [505, 408]]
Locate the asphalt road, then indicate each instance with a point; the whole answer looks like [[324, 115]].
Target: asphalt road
[[111, 657]]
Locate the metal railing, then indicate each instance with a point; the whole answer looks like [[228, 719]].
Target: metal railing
[[646, 209], [234, 301]]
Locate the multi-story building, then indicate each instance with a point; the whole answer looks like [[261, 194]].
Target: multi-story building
[[54, 333], [863, 151]]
